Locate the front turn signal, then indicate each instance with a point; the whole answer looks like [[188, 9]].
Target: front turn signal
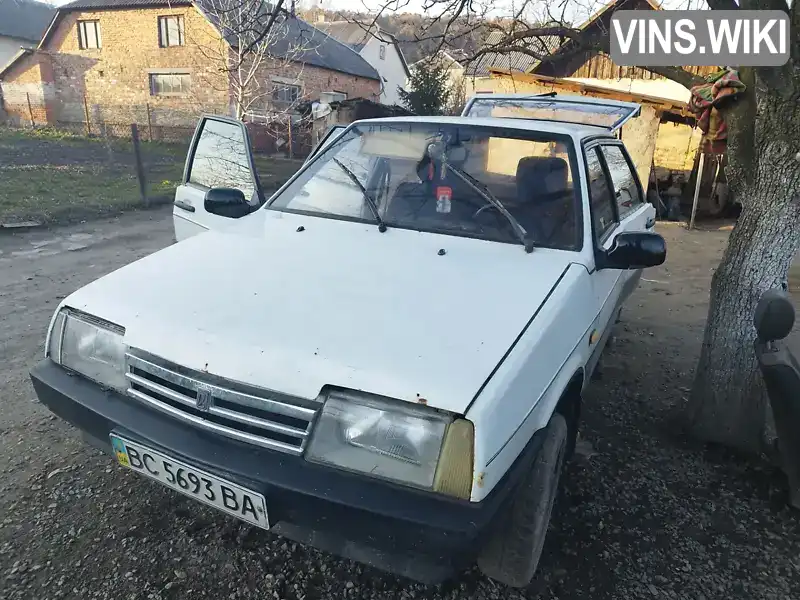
[[454, 471]]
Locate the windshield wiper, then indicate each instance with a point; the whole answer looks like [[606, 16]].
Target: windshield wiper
[[373, 207], [476, 185]]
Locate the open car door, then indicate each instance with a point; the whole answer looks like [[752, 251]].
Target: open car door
[[600, 112], [219, 157]]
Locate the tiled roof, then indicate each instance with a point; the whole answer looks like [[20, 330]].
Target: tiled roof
[[354, 35], [513, 61], [357, 35], [25, 19], [90, 4]]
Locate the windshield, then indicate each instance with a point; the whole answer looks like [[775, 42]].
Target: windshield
[[486, 182], [544, 109]]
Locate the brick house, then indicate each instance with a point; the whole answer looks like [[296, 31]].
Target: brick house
[[163, 61]]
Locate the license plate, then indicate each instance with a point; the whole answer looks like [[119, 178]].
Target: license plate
[[195, 483]]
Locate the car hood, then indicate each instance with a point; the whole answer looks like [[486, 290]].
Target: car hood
[[294, 303]]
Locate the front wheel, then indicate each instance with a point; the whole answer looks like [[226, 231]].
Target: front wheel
[[512, 554]]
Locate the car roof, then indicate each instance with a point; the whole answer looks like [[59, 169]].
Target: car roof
[[577, 98], [576, 130]]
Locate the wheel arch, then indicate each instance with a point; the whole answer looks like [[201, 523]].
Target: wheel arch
[[569, 406]]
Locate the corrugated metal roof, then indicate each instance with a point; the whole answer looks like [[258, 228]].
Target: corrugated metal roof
[[25, 19], [514, 61]]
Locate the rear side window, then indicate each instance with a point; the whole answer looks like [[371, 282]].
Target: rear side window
[[626, 190], [222, 159], [600, 196]]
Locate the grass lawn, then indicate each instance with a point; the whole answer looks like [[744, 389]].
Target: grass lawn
[[53, 176]]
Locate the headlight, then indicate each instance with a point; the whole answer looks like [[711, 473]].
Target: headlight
[[385, 439], [90, 346]]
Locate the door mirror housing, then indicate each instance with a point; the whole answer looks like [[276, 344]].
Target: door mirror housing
[[226, 202], [633, 250]]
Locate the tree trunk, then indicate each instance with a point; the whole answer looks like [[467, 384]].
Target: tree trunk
[[728, 403]]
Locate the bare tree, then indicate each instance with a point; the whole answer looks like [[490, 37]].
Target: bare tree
[[728, 401], [260, 53]]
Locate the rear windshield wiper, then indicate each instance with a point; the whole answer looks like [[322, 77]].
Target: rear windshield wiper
[[373, 207], [476, 185]]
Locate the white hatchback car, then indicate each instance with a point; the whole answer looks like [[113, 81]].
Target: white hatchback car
[[385, 359]]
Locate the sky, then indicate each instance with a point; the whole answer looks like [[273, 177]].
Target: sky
[[500, 7]]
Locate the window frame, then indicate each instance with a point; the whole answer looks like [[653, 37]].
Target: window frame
[[164, 19], [279, 84], [151, 75], [634, 172], [258, 194], [83, 39], [593, 146]]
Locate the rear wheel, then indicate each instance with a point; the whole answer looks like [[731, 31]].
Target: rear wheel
[[513, 552]]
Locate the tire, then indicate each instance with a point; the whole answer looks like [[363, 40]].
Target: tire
[[512, 553]]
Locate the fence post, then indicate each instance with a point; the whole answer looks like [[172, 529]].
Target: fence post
[[697, 186], [86, 114], [149, 123], [137, 153], [291, 150], [30, 110]]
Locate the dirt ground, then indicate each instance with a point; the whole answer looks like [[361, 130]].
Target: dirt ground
[[645, 513]]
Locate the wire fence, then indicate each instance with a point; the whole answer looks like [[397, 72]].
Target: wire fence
[[72, 170], [271, 133]]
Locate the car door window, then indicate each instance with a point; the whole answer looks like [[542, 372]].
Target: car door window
[[330, 186], [222, 158], [626, 188], [600, 196], [326, 139]]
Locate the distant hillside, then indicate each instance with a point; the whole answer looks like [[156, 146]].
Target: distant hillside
[[405, 27]]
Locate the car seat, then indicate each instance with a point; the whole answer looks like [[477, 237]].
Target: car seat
[[545, 204], [773, 320]]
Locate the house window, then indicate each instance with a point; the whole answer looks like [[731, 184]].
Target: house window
[[170, 31], [383, 52], [170, 84], [89, 35], [285, 93]]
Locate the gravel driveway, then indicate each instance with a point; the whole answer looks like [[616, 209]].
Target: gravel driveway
[[645, 514]]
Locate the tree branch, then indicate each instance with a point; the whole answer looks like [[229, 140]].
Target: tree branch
[[678, 75], [722, 4]]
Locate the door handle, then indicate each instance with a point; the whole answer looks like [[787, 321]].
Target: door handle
[[184, 205], [651, 222]]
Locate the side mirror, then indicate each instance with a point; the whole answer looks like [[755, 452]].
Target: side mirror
[[226, 202], [634, 250]]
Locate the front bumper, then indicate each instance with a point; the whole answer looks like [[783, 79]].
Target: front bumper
[[409, 532]]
